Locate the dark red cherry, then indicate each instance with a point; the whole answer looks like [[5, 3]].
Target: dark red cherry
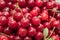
[[40, 27], [22, 32], [58, 16], [59, 6], [25, 22], [3, 20], [39, 3], [31, 3], [36, 20], [18, 38], [17, 16], [1, 13], [4, 37], [31, 31], [1, 28], [27, 38], [39, 36]]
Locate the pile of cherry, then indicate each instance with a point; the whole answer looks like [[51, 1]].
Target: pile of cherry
[[29, 20]]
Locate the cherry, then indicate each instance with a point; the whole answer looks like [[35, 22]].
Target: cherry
[[18, 38], [2, 4], [7, 30], [44, 16], [39, 36], [36, 20], [58, 16], [59, 6], [47, 24], [22, 32], [25, 22], [12, 23], [45, 11], [3, 37], [31, 31], [1, 13], [56, 23], [17, 16], [39, 3], [12, 37], [6, 14], [37, 8], [23, 2], [27, 38], [55, 37], [1, 28], [3, 20], [40, 28], [49, 5], [31, 3], [34, 13]]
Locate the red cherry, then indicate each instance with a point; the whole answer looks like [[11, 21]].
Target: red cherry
[[1, 28], [27, 38], [22, 32], [3, 20], [44, 16], [40, 27], [17, 16], [39, 36], [36, 20], [59, 6], [39, 3], [25, 22], [3, 37], [31, 31]]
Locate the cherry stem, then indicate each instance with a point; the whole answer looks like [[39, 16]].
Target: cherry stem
[[17, 6]]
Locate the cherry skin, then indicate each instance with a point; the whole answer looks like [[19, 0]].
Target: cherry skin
[[12, 37], [1, 28], [1, 13], [39, 3], [3, 20], [3, 37], [18, 38], [31, 3], [22, 32], [25, 22], [47, 24], [17, 16], [23, 2], [34, 13], [55, 37], [44, 16], [58, 16], [27, 38], [31, 31], [36, 20], [59, 6], [37, 8], [40, 27], [39, 36], [56, 24], [12, 23], [49, 5]]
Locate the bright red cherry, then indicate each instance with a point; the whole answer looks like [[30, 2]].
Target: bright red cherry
[[55, 37], [36, 20], [47, 24], [44, 16], [3, 37], [27, 38], [17, 16], [39, 3], [56, 24], [37, 8], [1, 13], [22, 32], [45, 11], [39, 36], [12, 23], [11, 37], [18, 38], [31, 31], [31, 3], [49, 5], [58, 16], [40, 27], [34, 13], [3, 20], [25, 22]]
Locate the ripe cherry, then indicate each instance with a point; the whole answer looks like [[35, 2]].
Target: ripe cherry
[[27, 38]]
